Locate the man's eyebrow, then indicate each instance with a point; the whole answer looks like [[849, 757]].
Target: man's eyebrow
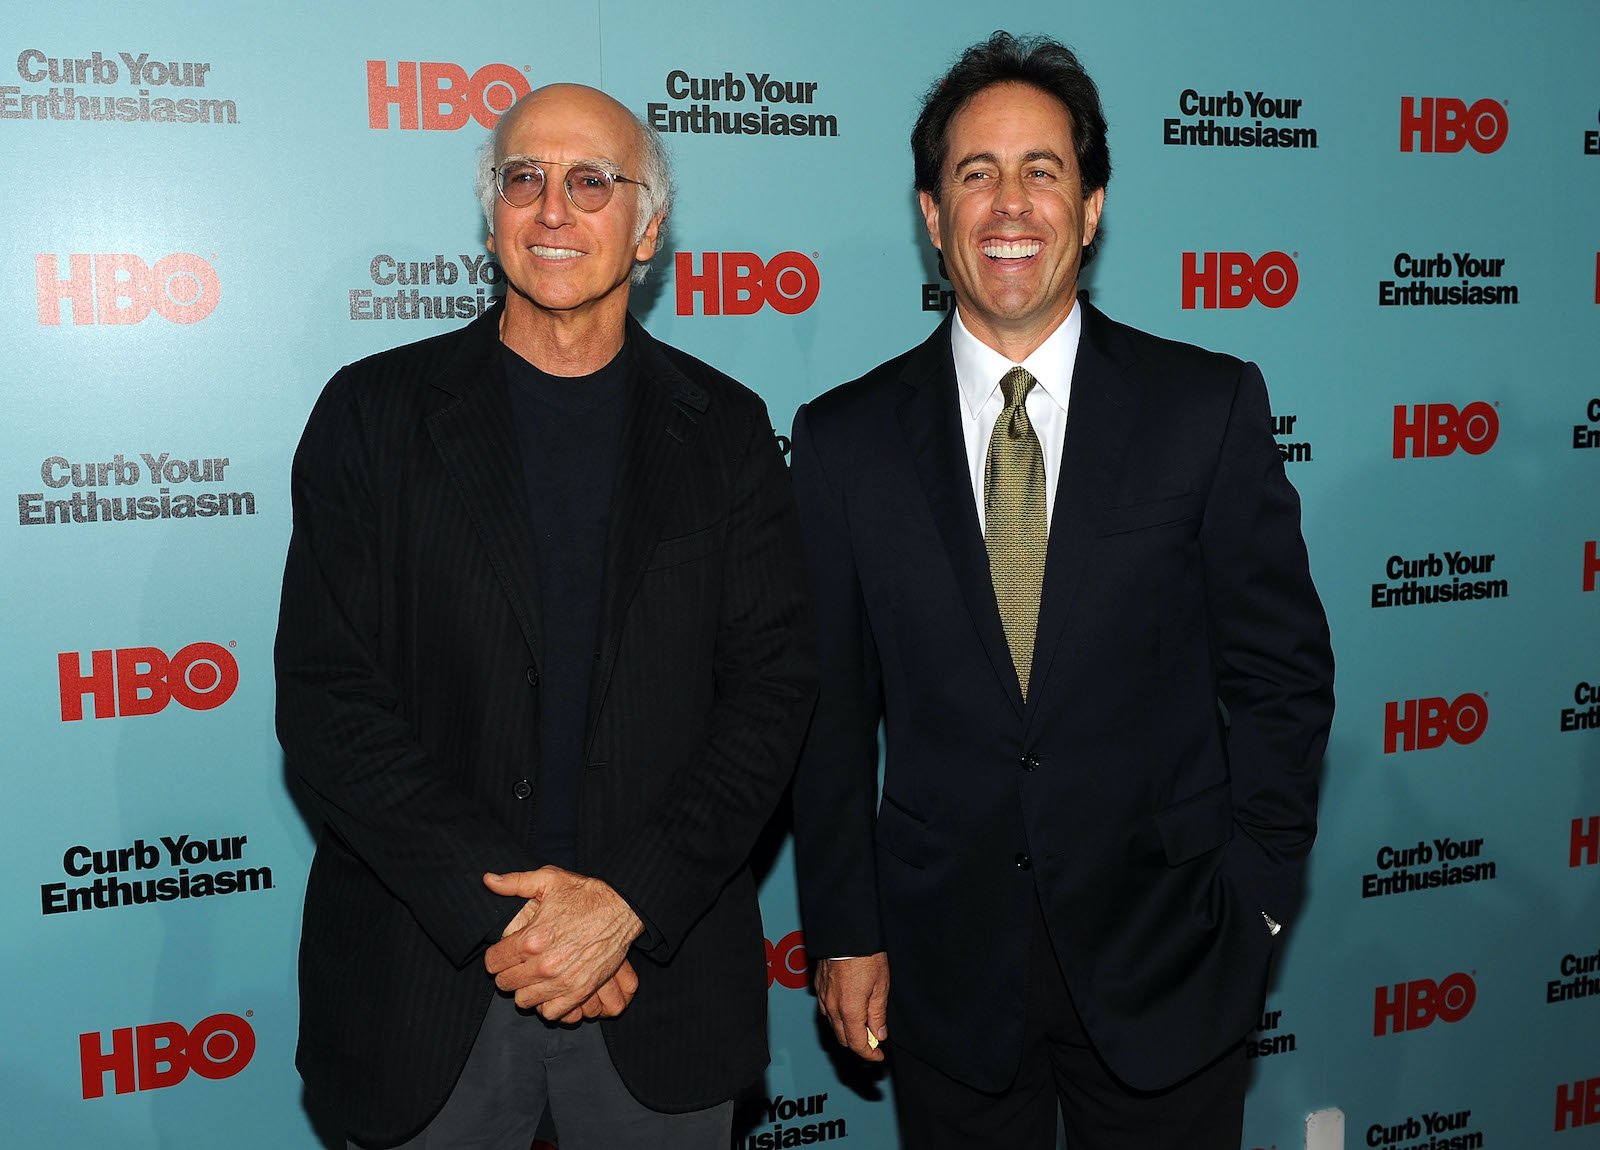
[[990, 158], [975, 158], [587, 162]]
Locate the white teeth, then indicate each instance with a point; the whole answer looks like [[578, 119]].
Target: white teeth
[[554, 253], [1012, 249]]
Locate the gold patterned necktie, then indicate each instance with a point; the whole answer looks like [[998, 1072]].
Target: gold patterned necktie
[[1015, 530]]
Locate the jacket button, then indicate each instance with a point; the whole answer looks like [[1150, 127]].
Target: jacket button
[[533, 677], [1024, 862], [1030, 762], [522, 788]]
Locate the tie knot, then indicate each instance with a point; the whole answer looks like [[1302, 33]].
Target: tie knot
[[1014, 385]]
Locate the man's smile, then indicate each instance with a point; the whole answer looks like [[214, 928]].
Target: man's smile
[[549, 253], [1011, 249]]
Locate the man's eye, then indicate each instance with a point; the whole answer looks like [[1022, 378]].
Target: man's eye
[[1041, 175], [974, 177], [523, 175], [593, 180]]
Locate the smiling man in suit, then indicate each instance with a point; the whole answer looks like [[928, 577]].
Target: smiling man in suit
[[544, 662], [1060, 560]]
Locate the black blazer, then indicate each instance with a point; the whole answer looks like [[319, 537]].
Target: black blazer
[[408, 705], [1155, 826]]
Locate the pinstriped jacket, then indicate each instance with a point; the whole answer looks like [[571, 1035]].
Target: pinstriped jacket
[[408, 670]]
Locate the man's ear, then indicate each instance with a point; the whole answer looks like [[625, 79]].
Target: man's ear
[[930, 216]]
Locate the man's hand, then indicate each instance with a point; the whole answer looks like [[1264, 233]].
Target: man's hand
[[854, 996], [565, 951]]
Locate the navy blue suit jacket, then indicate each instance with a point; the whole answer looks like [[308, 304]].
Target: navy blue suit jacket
[[1158, 789]]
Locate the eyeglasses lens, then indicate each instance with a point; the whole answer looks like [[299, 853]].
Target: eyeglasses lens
[[588, 188]]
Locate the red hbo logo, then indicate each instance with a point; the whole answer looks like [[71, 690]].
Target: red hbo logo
[[1233, 279], [1591, 564], [121, 288], [162, 1054], [786, 961], [1435, 429], [1415, 1005], [739, 283], [1422, 724], [1444, 124], [441, 97], [142, 680], [1578, 1104]]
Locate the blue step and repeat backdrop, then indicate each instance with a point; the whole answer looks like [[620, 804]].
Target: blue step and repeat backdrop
[[1392, 208]]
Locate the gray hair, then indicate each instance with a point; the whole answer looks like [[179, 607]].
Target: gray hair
[[655, 172]]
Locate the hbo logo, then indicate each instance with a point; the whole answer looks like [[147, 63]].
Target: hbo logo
[[162, 1054], [739, 283], [1233, 279]]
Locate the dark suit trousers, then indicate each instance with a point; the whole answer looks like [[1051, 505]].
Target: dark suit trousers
[[1060, 1068]]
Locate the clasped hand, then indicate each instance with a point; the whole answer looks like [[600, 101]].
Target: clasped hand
[[565, 952]]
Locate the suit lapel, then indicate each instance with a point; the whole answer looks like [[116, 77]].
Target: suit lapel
[[476, 438], [1100, 422], [663, 417], [929, 419]]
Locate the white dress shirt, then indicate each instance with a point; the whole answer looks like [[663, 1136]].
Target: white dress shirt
[[979, 369]]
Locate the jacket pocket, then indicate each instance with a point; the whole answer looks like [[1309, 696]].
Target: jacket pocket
[[686, 548], [902, 834], [1155, 513], [1200, 823]]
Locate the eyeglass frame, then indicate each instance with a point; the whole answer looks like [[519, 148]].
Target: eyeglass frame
[[498, 172]]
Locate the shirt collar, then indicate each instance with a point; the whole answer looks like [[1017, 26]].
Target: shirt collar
[[979, 367]]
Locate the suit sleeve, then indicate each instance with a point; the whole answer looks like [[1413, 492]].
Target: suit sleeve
[[339, 714], [836, 784], [1273, 658], [702, 830]]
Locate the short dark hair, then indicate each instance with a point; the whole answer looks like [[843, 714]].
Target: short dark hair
[[1038, 61]]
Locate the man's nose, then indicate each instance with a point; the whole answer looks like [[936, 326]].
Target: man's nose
[[553, 208], [1011, 197]]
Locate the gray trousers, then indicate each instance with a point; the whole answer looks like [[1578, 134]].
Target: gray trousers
[[519, 1063]]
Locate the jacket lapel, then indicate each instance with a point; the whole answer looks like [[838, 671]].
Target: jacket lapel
[[1100, 422], [663, 417], [930, 420], [476, 438]]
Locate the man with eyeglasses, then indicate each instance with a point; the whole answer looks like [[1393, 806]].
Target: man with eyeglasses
[[544, 663], [1059, 559]]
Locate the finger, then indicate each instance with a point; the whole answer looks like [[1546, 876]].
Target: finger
[[503, 883], [834, 1013], [878, 1012], [627, 979], [560, 1005]]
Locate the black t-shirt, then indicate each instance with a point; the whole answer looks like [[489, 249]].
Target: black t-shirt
[[569, 430]]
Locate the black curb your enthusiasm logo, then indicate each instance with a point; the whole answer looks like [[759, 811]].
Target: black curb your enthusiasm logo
[[781, 1122], [473, 279], [174, 855], [1587, 435], [1417, 281], [1197, 123], [1433, 1131], [1409, 590], [1269, 1044], [160, 472], [1403, 870], [69, 76], [1579, 978], [1282, 427], [759, 106], [1586, 715]]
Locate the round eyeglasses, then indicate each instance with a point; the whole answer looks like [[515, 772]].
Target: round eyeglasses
[[589, 187]]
